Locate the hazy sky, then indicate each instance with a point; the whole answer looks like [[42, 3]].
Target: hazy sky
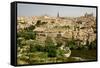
[[52, 10]]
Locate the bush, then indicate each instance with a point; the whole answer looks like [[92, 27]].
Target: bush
[[19, 40], [27, 35], [37, 47], [51, 49], [93, 45], [30, 35], [60, 53], [71, 44]]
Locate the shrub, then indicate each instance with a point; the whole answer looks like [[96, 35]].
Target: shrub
[[27, 35], [37, 47], [30, 35], [51, 49], [92, 45], [60, 53], [71, 44]]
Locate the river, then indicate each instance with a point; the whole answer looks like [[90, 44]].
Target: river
[[84, 54]]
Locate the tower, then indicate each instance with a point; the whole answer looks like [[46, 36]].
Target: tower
[[58, 14]]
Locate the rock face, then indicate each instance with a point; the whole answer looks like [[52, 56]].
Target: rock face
[[68, 52]]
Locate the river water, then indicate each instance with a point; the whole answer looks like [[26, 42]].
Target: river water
[[84, 54]]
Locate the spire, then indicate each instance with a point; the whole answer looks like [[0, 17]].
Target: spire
[[58, 14], [85, 14]]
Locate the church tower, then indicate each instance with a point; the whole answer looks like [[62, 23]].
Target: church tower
[[58, 14]]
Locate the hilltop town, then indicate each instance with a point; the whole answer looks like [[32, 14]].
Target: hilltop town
[[46, 39], [82, 28]]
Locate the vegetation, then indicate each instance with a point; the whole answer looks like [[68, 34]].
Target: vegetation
[[38, 23]]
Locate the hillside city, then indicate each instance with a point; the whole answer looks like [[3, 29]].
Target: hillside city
[[63, 34]]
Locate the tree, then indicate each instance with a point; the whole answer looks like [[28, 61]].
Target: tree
[[92, 45], [30, 28], [44, 23], [68, 27], [50, 47], [59, 40], [38, 23]]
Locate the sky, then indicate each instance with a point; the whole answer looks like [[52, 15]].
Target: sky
[[52, 10]]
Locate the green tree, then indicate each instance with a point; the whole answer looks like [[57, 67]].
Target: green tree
[[93, 45], [50, 47], [38, 23], [27, 35], [30, 28], [59, 39]]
